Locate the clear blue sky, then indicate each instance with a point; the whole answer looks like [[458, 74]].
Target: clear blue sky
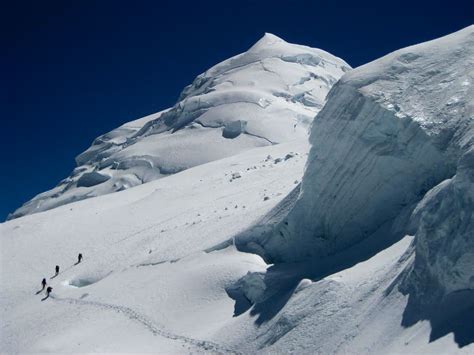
[[77, 69]]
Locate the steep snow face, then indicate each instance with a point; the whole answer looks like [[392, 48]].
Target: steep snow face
[[264, 96], [390, 131]]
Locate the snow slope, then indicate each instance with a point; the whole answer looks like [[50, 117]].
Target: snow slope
[[264, 96], [223, 257], [158, 259], [161, 273]]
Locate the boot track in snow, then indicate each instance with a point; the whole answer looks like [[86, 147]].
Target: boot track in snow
[[150, 325]]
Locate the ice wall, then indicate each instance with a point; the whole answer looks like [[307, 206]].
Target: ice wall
[[390, 133]]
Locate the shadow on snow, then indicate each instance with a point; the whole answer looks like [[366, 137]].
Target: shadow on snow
[[454, 314]]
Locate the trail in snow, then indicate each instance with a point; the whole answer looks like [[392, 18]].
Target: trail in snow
[[150, 325]]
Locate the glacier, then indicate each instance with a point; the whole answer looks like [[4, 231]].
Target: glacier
[[202, 235], [267, 95]]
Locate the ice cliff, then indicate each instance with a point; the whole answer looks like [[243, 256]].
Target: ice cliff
[[392, 154]]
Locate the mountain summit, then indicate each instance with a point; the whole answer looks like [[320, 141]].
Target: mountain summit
[[267, 95]]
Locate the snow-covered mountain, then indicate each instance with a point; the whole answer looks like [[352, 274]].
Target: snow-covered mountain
[[365, 245], [264, 96]]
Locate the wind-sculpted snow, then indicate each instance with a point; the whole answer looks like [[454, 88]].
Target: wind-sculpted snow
[[389, 136], [265, 96]]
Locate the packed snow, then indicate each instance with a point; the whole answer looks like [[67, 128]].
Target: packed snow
[[265, 96], [360, 244]]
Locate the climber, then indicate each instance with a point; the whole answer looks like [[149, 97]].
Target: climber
[[43, 283], [57, 270], [79, 258], [48, 291]]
